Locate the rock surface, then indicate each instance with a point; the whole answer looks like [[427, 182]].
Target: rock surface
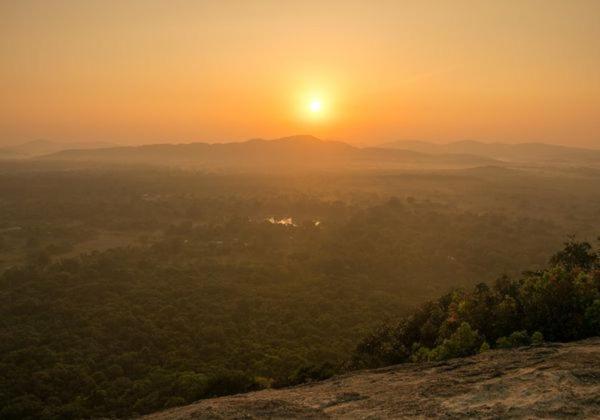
[[553, 380]]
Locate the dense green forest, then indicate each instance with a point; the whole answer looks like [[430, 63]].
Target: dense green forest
[[128, 290], [559, 303]]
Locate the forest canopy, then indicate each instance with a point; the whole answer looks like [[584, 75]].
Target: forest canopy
[[558, 303], [126, 291]]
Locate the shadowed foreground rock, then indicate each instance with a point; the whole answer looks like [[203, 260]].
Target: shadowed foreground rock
[[554, 380]]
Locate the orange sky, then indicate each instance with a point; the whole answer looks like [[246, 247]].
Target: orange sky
[[176, 71]]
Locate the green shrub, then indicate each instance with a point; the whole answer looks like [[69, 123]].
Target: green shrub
[[519, 338], [308, 373], [503, 343], [174, 402], [465, 341], [421, 354], [592, 318], [230, 383], [537, 338], [516, 339]]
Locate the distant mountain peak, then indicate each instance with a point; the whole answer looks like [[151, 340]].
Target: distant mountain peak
[[300, 138]]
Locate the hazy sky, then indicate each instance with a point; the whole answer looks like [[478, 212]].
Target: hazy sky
[[178, 71]]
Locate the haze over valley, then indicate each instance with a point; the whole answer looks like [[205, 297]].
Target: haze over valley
[[208, 210]]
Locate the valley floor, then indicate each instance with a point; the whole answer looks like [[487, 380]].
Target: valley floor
[[553, 380]]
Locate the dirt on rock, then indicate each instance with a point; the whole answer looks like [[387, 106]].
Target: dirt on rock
[[548, 381]]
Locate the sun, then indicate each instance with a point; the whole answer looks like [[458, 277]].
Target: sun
[[315, 105]]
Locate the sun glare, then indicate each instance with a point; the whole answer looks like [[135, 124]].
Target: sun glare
[[315, 105]]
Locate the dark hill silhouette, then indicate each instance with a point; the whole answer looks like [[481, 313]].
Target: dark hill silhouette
[[503, 151], [287, 152], [44, 147]]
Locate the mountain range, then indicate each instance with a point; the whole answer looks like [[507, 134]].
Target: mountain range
[[305, 151], [520, 152], [43, 147], [287, 152]]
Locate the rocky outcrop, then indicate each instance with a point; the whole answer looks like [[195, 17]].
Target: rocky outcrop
[[553, 380]]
